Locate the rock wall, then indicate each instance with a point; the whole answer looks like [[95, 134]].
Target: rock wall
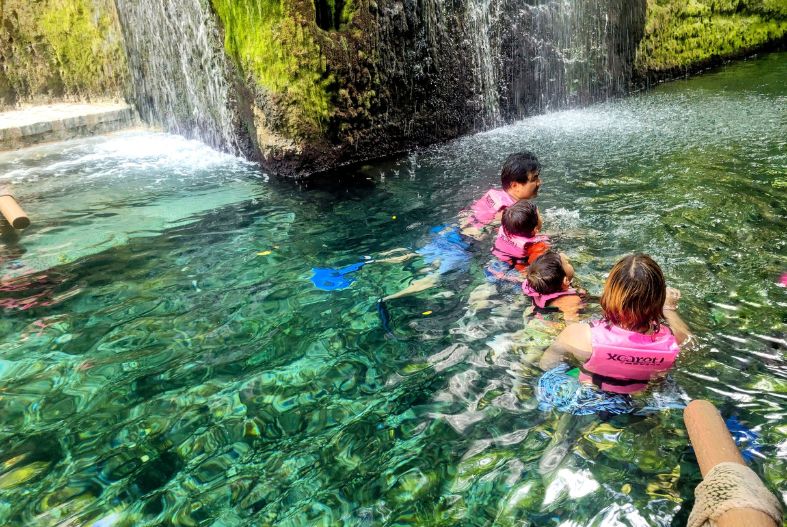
[[338, 81], [182, 79], [333, 82], [308, 85], [60, 50], [684, 36], [566, 54]]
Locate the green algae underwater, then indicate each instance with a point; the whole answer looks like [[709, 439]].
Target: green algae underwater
[[164, 359]]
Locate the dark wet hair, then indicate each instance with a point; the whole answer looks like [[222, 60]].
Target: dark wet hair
[[521, 218], [634, 294], [546, 274], [518, 167]]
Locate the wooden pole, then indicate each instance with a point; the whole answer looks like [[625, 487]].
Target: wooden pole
[[713, 444], [12, 212]]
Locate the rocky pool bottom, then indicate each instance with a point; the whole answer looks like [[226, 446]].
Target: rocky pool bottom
[[164, 359]]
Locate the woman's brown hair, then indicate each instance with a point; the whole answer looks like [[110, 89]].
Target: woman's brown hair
[[634, 294]]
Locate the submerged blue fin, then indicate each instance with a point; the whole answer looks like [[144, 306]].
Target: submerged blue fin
[[385, 318], [747, 440], [330, 279]]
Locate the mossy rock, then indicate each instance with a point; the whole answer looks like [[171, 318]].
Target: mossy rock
[[684, 36], [55, 49]]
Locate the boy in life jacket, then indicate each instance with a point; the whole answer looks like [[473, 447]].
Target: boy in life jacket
[[548, 285], [638, 338], [520, 178], [518, 243]]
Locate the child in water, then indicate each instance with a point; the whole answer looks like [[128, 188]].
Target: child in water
[[548, 284], [520, 179], [518, 243]]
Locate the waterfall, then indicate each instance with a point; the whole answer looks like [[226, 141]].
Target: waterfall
[[181, 77], [404, 73], [481, 16], [541, 55]]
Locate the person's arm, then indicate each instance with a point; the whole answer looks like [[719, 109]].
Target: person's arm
[[679, 328], [569, 305], [573, 341]]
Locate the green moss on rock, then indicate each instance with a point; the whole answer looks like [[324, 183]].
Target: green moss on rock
[[279, 48], [60, 49], [682, 35]]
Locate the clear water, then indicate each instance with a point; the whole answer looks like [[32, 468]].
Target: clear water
[[164, 359]]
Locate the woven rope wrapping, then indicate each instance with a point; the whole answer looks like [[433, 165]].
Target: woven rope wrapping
[[731, 486]]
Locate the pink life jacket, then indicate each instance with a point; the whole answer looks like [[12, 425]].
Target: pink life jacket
[[515, 249], [624, 361], [541, 300], [485, 209]]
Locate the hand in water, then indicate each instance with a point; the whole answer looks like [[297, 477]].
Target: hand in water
[[671, 301]]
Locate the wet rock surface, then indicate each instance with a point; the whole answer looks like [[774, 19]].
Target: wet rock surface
[[308, 86], [396, 74], [55, 50], [57, 122]]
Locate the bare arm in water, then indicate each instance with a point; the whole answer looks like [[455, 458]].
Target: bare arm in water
[[676, 324], [570, 306]]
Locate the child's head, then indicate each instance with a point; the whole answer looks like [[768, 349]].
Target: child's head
[[521, 218], [550, 273], [634, 293], [520, 175]]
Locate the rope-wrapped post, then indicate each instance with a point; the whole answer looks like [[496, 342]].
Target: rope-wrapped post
[[12, 212], [713, 444]]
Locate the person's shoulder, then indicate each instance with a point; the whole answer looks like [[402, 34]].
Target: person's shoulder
[[490, 192], [487, 199], [499, 197], [576, 334], [568, 300]]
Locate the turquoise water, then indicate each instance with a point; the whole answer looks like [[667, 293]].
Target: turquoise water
[[164, 359]]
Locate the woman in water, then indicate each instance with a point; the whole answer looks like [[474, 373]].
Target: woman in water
[[636, 341], [639, 336]]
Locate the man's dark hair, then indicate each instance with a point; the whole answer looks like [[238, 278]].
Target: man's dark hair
[[521, 218], [546, 274], [518, 167]]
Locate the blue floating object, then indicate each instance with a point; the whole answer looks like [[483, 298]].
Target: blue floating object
[[330, 279], [748, 440]]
